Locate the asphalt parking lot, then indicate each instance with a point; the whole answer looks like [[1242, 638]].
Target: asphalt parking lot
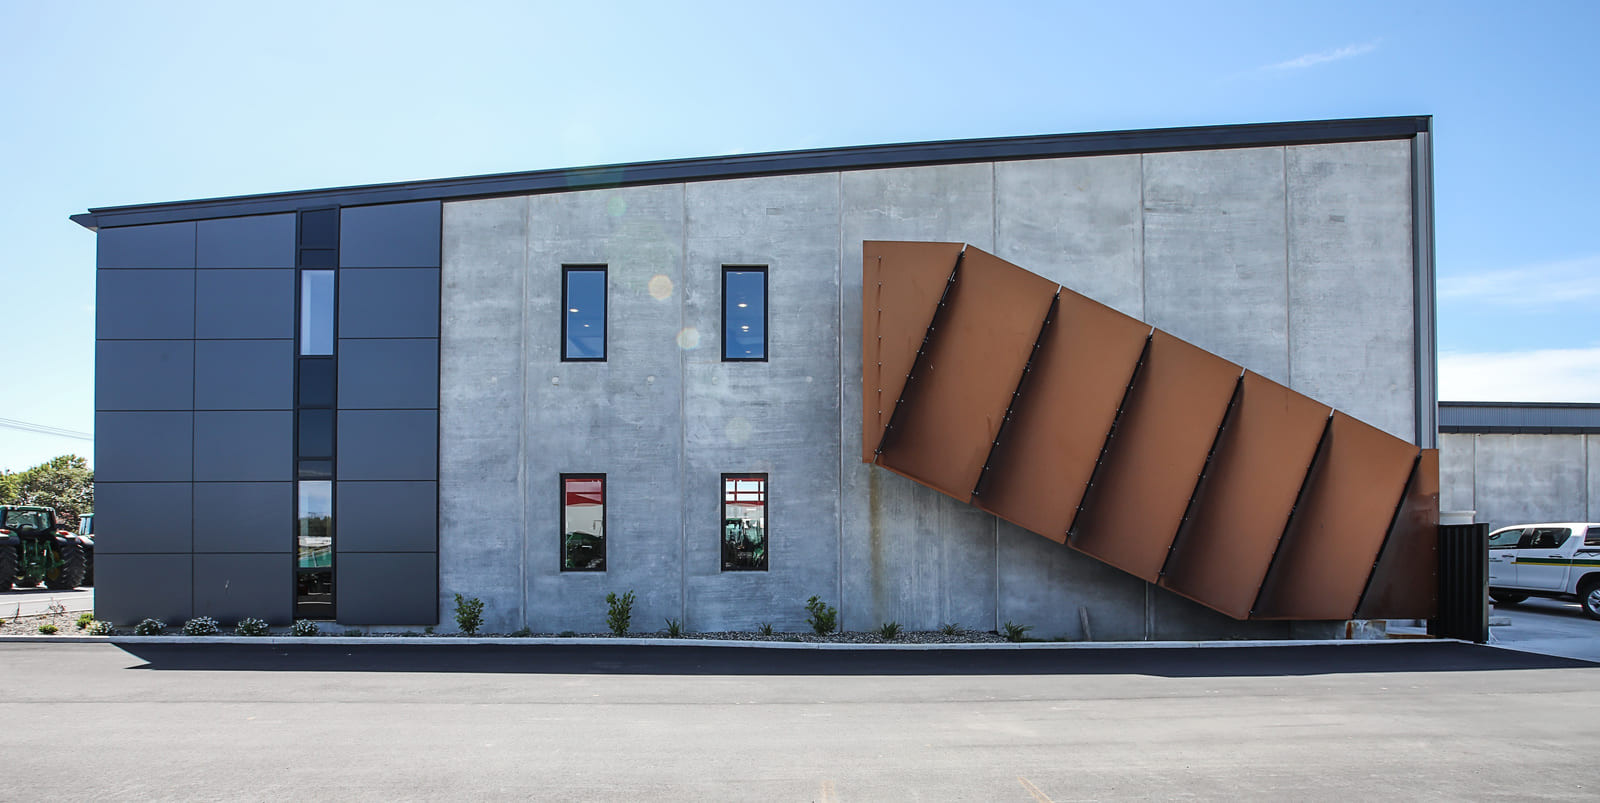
[[1546, 626]]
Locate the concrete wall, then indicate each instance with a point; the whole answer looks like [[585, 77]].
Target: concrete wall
[[1295, 261], [1520, 479]]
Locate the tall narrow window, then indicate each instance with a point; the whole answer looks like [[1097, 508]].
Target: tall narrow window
[[583, 323], [313, 566], [316, 312], [744, 522], [583, 522], [744, 313]]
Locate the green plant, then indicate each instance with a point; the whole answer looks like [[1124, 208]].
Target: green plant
[[568, 634], [201, 626], [353, 632], [889, 631], [950, 629], [48, 630], [824, 617], [619, 613], [304, 627], [1015, 632], [427, 631], [84, 619], [149, 627], [100, 627], [765, 629], [250, 626], [521, 632], [674, 629], [469, 614]]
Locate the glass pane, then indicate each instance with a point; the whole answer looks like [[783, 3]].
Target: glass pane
[[316, 433], [316, 383], [313, 597], [316, 312], [1505, 539], [586, 314], [744, 325], [744, 523], [316, 469], [314, 539], [319, 229], [583, 524]]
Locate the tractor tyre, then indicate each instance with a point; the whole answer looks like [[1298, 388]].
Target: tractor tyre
[[88, 570], [73, 565], [8, 566]]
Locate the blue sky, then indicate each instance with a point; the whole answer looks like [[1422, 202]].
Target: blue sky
[[111, 104]]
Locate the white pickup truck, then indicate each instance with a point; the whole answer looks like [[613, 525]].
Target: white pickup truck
[[1546, 560]]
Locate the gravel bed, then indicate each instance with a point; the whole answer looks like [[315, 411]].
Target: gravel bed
[[66, 624]]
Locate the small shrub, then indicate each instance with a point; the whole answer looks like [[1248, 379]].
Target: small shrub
[[250, 626], [1015, 632], [149, 627], [56, 608], [619, 613], [48, 630], [84, 619], [889, 631], [950, 629], [765, 630], [568, 634], [201, 626], [427, 631], [101, 627], [353, 632], [469, 614], [304, 627], [521, 633], [824, 617], [674, 629]]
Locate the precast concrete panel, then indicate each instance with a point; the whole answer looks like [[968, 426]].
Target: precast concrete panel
[[144, 304], [131, 588], [243, 517], [260, 241], [1173, 617], [387, 516], [144, 375], [232, 587], [244, 304], [244, 374], [387, 588], [144, 447], [1456, 473], [388, 374], [778, 417], [481, 391], [1077, 222], [1523, 479], [1351, 313], [390, 236], [389, 303], [1215, 272], [388, 445], [1063, 593], [163, 245], [1592, 496], [239, 446], [142, 517]]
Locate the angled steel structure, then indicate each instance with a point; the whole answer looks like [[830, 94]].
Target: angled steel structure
[[1003, 389]]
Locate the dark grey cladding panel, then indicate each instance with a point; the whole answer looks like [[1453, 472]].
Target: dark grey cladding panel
[[398, 588], [165, 245], [263, 241], [244, 304], [243, 516], [387, 516], [144, 304], [144, 447], [389, 303], [244, 374], [387, 374], [390, 236], [231, 587], [142, 517], [388, 445], [144, 374], [243, 447], [129, 588]]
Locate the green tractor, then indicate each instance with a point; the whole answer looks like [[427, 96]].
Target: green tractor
[[35, 546]]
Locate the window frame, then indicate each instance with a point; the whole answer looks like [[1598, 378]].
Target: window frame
[[301, 610], [766, 312], [561, 517], [766, 518], [605, 309]]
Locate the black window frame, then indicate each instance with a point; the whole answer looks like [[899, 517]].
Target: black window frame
[[605, 521], [766, 312], [766, 518], [605, 310]]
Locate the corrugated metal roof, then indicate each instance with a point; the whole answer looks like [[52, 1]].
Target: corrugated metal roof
[[1519, 417]]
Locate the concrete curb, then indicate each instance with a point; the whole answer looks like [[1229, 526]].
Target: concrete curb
[[671, 642]]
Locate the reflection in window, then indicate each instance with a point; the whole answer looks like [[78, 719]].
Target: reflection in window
[[314, 551], [744, 313], [317, 382], [583, 324], [1505, 539], [316, 433], [744, 522], [316, 312], [583, 522]]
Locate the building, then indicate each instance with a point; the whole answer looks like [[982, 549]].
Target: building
[[538, 388], [1520, 462]]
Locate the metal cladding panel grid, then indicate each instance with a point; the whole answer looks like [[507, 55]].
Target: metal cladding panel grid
[[1242, 505], [1405, 580], [901, 287]]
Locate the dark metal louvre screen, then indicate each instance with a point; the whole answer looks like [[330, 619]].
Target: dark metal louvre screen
[[1463, 583]]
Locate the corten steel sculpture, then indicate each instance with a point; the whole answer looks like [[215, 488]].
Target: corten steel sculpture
[[1005, 390]]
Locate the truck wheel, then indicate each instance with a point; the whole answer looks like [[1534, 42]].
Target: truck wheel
[[8, 566], [1589, 598], [70, 574], [1507, 597]]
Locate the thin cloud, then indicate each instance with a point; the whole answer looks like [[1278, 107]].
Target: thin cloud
[[1313, 59], [1542, 375], [1544, 283]]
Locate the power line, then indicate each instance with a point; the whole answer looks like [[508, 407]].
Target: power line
[[9, 423]]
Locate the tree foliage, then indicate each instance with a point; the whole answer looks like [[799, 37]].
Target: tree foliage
[[65, 483]]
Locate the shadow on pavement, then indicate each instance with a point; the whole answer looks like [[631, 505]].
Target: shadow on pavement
[[703, 660]]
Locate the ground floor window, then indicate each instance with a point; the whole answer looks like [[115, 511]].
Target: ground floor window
[[313, 565], [583, 522], [744, 522]]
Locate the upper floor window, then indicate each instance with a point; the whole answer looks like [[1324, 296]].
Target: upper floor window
[[583, 522], [583, 321], [744, 522], [316, 312], [744, 313]]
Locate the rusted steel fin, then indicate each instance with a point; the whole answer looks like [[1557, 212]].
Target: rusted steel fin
[[1243, 504], [1149, 473], [1405, 580], [1011, 409], [1205, 470], [1059, 424], [984, 333], [1111, 434], [919, 358], [1331, 543], [901, 284]]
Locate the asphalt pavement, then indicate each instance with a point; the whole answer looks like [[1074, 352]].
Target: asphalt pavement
[[35, 601], [1546, 626]]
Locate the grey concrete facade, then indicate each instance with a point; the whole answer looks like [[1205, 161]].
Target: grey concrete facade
[[1511, 478]]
